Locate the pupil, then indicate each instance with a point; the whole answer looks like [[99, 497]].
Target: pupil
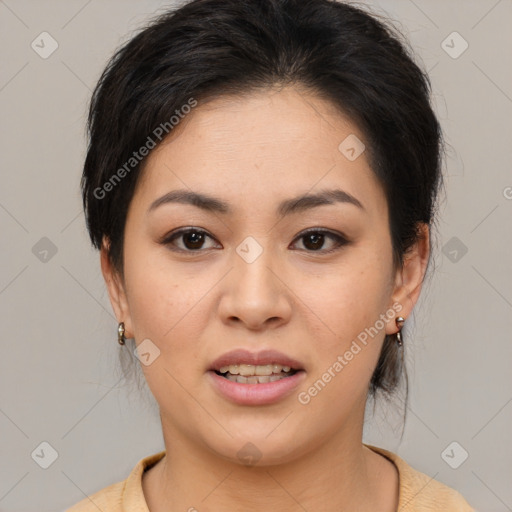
[[317, 240], [194, 238]]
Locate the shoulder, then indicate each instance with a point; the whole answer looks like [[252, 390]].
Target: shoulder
[[419, 492], [108, 498], [121, 496]]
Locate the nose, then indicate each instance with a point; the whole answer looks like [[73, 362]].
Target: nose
[[256, 294]]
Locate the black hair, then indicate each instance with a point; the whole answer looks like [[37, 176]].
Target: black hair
[[210, 48]]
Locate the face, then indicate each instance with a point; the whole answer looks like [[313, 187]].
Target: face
[[281, 280]]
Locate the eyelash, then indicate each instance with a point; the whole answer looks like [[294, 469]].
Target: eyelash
[[338, 239]]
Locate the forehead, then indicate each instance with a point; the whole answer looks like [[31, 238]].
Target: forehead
[[261, 146]]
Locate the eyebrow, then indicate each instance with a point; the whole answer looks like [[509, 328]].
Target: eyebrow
[[287, 207]]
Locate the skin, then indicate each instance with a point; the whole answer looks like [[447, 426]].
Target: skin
[[253, 152]]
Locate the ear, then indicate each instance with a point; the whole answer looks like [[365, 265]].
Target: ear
[[116, 289], [409, 277]]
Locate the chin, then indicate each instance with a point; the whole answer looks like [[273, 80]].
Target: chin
[[259, 449]]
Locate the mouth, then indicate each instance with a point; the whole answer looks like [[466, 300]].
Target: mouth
[[255, 374], [255, 378]]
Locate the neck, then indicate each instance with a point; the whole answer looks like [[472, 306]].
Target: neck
[[339, 475]]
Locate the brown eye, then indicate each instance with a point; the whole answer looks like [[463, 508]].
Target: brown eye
[[315, 239], [192, 239]]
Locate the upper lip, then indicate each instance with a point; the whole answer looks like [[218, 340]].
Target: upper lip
[[263, 357]]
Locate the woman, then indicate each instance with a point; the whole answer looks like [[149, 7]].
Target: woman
[[261, 181]]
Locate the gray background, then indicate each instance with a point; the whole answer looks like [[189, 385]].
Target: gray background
[[60, 375]]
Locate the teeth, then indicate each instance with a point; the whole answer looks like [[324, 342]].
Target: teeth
[[255, 379], [255, 374], [263, 370], [233, 369], [249, 370], [246, 369]]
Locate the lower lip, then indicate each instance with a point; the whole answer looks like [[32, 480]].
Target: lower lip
[[256, 394]]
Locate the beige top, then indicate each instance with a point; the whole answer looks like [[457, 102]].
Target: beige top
[[417, 491]]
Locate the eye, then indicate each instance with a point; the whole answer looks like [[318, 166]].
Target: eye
[[193, 239], [315, 238]]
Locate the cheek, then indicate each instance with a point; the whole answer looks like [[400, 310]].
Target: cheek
[[347, 342], [166, 307], [165, 300], [348, 304], [349, 298]]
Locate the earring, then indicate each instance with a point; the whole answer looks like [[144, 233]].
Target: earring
[[399, 323], [120, 333]]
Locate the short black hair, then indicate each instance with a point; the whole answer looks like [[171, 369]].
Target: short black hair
[[211, 48]]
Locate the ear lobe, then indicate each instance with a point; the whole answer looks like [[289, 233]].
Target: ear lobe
[[115, 288], [409, 278]]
